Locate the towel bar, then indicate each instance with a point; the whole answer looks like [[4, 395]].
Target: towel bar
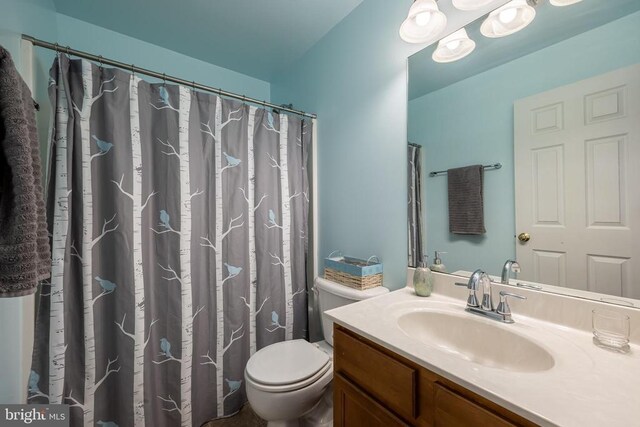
[[493, 166]]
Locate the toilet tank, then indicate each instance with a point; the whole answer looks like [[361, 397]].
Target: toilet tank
[[333, 295]]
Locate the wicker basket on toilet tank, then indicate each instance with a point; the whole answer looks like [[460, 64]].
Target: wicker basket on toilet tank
[[353, 272]]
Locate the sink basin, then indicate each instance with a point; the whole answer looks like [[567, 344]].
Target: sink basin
[[476, 340]]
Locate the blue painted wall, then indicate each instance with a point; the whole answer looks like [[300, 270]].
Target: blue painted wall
[[38, 18], [94, 39], [355, 79], [471, 122]]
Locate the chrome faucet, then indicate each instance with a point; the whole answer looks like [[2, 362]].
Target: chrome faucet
[[509, 266], [480, 279], [487, 296]]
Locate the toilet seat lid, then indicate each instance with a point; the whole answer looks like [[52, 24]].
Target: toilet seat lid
[[286, 362]]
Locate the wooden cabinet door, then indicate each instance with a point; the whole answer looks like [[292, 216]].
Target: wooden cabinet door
[[353, 408], [385, 378], [453, 410]]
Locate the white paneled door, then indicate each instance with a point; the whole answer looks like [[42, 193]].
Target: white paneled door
[[577, 172]]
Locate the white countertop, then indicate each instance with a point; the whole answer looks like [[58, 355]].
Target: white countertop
[[587, 386]]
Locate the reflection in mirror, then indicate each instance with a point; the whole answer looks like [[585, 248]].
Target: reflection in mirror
[[415, 213], [557, 104]]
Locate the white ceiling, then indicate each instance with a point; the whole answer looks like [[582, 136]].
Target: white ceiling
[[254, 37]]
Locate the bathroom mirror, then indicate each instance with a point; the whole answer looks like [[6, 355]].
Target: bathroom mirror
[[557, 106]]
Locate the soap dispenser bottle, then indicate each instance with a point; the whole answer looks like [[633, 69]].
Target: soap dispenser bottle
[[437, 263], [423, 279]]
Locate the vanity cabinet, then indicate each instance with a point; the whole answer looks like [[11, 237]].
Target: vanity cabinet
[[376, 387]]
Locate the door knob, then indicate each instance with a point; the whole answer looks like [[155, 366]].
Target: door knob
[[524, 237]]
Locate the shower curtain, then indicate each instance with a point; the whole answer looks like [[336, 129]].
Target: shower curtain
[[414, 222], [178, 225]]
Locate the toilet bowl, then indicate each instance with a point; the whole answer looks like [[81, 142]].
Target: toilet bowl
[[285, 381], [289, 383]]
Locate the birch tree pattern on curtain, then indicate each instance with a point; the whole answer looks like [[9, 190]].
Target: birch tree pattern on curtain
[[179, 235], [414, 221]]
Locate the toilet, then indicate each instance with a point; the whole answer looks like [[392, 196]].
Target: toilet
[[289, 383]]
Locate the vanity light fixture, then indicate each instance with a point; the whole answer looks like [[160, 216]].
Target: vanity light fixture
[[564, 2], [424, 22], [508, 19], [472, 4], [453, 47]]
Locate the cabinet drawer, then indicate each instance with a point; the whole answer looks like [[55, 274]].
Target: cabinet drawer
[[453, 410], [389, 381]]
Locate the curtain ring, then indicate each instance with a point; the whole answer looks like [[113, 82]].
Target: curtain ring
[[57, 47], [101, 64], [133, 69], [193, 85], [164, 79], [68, 53]]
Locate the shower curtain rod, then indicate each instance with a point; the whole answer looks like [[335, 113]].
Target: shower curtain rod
[[161, 76]]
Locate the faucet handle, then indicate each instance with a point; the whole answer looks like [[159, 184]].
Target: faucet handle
[[472, 299], [503, 307], [505, 294]]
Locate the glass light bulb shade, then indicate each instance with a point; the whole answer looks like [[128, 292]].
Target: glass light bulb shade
[[564, 2], [423, 18], [424, 22], [508, 15], [508, 19], [470, 4], [454, 47]]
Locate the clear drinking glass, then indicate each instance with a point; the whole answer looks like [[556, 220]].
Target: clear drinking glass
[[611, 329]]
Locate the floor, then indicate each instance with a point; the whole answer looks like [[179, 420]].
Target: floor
[[245, 418]]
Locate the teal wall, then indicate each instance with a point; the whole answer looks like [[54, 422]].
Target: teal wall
[[94, 39], [471, 122], [355, 79], [36, 17]]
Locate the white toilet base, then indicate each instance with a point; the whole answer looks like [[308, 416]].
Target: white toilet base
[[320, 416]]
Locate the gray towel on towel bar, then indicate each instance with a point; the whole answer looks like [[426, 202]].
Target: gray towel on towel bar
[[466, 206]]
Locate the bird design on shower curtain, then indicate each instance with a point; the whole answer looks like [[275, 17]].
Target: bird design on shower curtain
[[165, 346], [103, 146], [232, 161]]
